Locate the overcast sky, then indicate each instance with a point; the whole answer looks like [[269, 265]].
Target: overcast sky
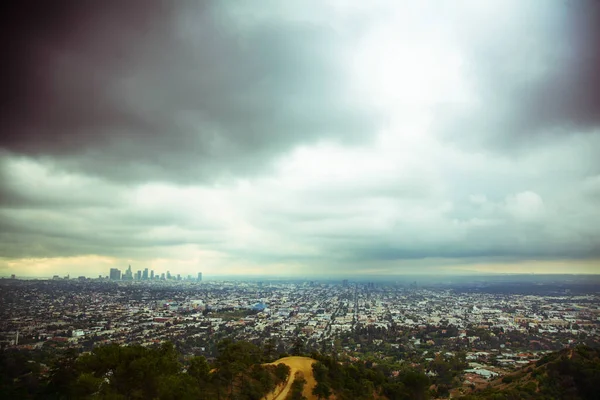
[[301, 137]]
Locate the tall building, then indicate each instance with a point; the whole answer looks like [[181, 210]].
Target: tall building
[[128, 274], [152, 275], [168, 275], [199, 277], [115, 274], [138, 275], [145, 274]]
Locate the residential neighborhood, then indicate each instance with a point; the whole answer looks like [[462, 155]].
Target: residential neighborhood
[[494, 332]]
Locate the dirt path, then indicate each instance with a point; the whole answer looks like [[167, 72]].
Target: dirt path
[[296, 364]]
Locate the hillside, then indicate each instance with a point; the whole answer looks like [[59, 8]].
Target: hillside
[[568, 374], [299, 367], [245, 371], [137, 372]]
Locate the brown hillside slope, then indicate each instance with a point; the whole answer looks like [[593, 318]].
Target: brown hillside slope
[[296, 364]]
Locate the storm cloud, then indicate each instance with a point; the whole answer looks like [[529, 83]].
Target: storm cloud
[[300, 138], [176, 91]]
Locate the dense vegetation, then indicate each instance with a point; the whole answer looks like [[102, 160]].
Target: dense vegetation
[[361, 381], [569, 374], [297, 389], [136, 372], [239, 372]]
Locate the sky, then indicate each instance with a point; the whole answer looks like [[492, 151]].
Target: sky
[[300, 138]]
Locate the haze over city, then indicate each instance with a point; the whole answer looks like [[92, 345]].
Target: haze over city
[[301, 138]]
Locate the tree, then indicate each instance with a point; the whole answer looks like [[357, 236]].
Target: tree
[[322, 390], [297, 388], [321, 373], [270, 349], [282, 372], [298, 347], [199, 370]]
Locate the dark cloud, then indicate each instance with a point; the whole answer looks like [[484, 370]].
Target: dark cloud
[[63, 55], [125, 120], [141, 90]]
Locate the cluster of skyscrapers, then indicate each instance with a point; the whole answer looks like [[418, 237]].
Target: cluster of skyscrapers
[[145, 275]]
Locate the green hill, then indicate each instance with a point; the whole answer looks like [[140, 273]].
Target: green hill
[[245, 371], [136, 372], [567, 374]]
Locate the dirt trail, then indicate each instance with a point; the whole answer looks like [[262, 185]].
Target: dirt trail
[[296, 364]]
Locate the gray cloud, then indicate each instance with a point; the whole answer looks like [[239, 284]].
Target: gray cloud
[[178, 93], [184, 131], [535, 74]]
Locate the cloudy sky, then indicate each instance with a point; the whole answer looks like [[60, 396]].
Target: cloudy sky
[[301, 137]]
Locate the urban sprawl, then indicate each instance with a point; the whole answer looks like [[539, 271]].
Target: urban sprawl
[[496, 332]]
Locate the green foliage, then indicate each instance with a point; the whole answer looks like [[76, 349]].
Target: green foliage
[[18, 377], [238, 374], [136, 372], [447, 371], [298, 347], [199, 370], [569, 374], [409, 384], [282, 372], [229, 315], [270, 350], [357, 381], [296, 389]]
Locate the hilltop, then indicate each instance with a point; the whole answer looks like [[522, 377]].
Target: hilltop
[[300, 368]]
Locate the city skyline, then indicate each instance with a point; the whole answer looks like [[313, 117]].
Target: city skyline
[[302, 139], [116, 274]]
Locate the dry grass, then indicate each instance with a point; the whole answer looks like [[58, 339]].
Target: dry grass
[[296, 364]]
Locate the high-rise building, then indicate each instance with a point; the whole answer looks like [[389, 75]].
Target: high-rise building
[[138, 275], [168, 275], [145, 274], [152, 275], [115, 274], [199, 277], [128, 274], [162, 276]]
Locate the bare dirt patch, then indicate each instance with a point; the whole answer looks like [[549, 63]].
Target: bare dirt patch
[[296, 364]]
